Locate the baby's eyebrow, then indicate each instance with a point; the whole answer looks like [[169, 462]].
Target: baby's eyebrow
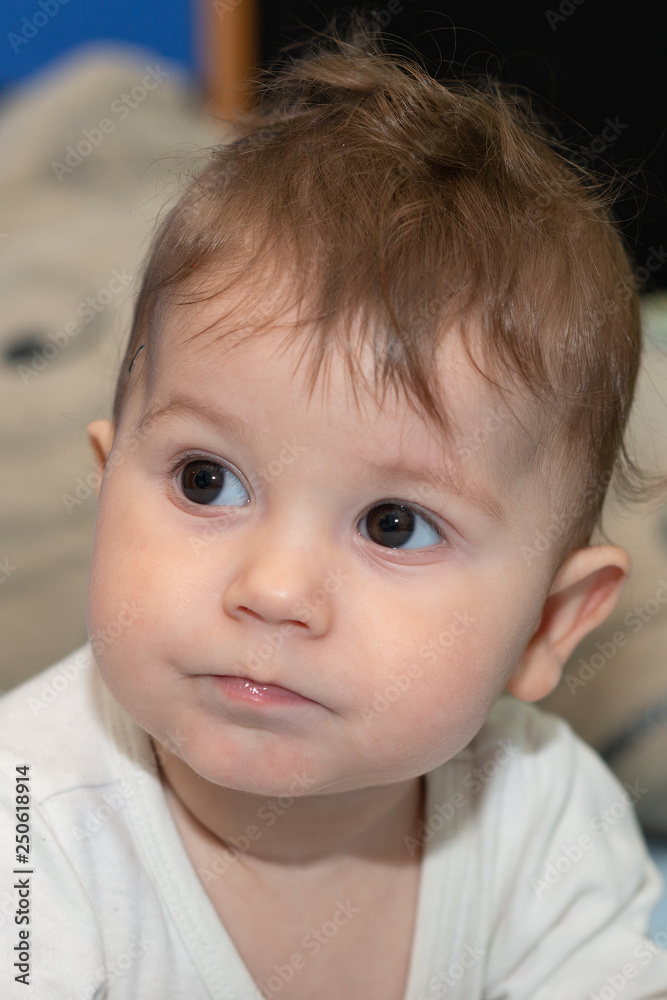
[[448, 485], [486, 501], [178, 404]]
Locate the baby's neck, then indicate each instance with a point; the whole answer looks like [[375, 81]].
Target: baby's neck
[[312, 830]]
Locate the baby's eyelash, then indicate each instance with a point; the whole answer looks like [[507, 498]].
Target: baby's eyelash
[[195, 456]]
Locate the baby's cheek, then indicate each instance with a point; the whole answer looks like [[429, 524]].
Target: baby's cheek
[[129, 570], [444, 707], [120, 602]]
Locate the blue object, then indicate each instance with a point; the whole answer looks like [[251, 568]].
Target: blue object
[[35, 32], [658, 925]]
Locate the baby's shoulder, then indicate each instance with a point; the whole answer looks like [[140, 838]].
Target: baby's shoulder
[[521, 755], [525, 768], [535, 731], [522, 733], [54, 722]]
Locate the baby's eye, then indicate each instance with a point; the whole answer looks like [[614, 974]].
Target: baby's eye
[[207, 482], [392, 524]]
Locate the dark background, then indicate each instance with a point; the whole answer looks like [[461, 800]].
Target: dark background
[[588, 62], [599, 61]]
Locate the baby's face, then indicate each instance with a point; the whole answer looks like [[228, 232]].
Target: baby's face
[[317, 550]]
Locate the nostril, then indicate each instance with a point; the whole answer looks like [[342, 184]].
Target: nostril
[[22, 348], [287, 621], [249, 611]]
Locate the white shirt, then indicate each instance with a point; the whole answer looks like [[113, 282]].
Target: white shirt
[[535, 883]]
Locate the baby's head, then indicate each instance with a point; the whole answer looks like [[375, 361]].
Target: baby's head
[[376, 387]]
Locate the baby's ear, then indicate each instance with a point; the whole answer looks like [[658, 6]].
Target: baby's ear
[[101, 435], [583, 594]]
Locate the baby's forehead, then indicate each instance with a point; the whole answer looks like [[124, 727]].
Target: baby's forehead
[[491, 434]]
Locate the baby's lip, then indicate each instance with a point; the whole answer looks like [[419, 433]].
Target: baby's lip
[[237, 672], [250, 689], [256, 683]]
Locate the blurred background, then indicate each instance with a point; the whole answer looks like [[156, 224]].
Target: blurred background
[[103, 110], [588, 60]]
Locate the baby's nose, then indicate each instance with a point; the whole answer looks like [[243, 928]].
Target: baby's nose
[[282, 587]]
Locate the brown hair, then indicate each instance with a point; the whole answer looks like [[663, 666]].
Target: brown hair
[[414, 206]]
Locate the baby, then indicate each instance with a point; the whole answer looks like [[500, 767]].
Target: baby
[[381, 363]]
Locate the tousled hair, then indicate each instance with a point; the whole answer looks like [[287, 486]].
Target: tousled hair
[[411, 207]]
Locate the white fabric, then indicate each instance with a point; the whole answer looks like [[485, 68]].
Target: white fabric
[[507, 910]]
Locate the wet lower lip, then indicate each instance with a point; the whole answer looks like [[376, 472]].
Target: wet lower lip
[[243, 689]]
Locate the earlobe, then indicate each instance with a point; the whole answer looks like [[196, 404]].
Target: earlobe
[[583, 594], [101, 435]]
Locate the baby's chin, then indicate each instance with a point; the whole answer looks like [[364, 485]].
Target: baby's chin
[[296, 751], [263, 764]]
